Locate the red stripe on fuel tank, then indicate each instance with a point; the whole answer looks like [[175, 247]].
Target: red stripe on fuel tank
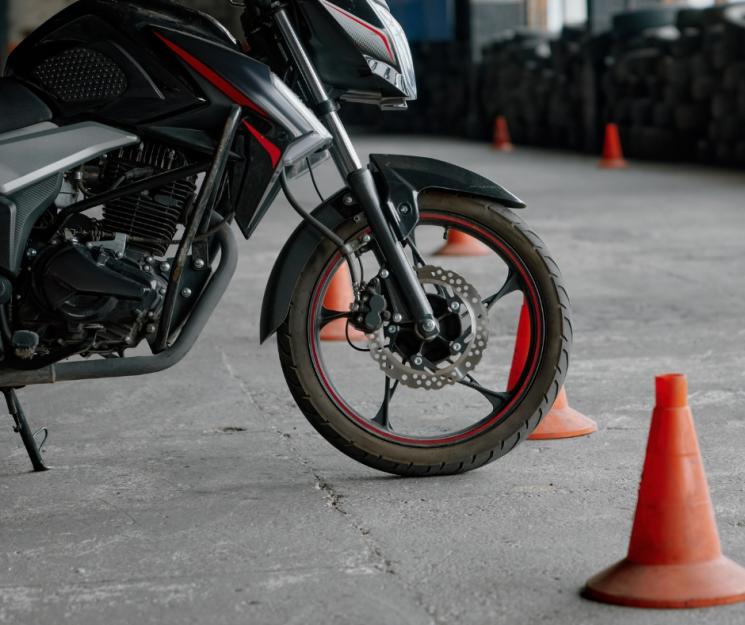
[[218, 81]]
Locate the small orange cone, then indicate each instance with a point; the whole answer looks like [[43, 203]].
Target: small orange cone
[[612, 151], [675, 559], [462, 244], [502, 140], [339, 297], [562, 421]]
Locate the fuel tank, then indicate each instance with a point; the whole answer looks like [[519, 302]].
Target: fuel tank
[[100, 56]]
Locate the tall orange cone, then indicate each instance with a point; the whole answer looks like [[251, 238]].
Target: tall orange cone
[[339, 297], [675, 559], [612, 150], [562, 421], [502, 140], [462, 244]]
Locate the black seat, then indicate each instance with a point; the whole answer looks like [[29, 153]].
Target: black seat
[[19, 106]]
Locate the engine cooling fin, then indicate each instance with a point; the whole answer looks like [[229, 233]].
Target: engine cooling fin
[[151, 218]]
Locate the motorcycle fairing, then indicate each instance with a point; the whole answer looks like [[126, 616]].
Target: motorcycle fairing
[[402, 179]]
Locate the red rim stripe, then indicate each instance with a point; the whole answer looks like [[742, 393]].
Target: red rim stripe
[[351, 414], [218, 81], [272, 150]]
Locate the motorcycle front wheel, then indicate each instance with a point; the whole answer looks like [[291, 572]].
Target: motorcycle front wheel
[[411, 408]]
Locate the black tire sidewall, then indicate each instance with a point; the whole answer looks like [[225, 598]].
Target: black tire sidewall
[[367, 447]]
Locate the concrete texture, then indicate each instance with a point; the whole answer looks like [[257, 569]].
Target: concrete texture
[[201, 495]]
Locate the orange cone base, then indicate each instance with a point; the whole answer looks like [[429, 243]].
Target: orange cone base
[[716, 582], [616, 163], [563, 423], [503, 147], [337, 331]]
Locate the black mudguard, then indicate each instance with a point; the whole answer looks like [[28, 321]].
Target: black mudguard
[[401, 179]]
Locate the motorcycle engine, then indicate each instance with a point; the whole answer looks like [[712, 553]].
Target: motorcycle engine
[[98, 285]]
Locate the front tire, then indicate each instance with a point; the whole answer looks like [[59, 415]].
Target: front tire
[[488, 439]]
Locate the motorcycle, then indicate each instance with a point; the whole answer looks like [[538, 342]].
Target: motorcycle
[[134, 133]]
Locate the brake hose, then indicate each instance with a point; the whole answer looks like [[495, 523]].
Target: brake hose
[[345, 249]]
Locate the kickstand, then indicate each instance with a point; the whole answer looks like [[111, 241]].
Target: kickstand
[[21, 426]]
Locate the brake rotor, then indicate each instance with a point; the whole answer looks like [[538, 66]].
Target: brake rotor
[[413, 368]]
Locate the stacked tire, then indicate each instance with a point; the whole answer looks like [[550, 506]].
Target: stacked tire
[[545, 86]]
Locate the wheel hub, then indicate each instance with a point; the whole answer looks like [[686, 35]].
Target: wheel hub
[[459, 347]]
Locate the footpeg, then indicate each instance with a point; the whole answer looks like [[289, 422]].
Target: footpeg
[[25, 344]]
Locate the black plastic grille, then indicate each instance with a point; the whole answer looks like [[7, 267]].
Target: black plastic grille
[[81, 75]]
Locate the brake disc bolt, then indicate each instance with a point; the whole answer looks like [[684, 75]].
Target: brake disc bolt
[[392, 329], [384, 273], [418, 361], [455, 306], [186, 292], [456, 347]]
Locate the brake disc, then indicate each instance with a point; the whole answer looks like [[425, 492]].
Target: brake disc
[[415, 370]]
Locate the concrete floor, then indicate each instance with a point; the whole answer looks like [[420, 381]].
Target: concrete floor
[[155, 513]]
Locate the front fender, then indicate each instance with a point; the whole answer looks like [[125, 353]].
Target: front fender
[[293, 258], [400, 179], [403, 178]]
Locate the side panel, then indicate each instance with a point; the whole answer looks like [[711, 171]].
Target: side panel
[[26, 160], [278, 127], [18, 214]]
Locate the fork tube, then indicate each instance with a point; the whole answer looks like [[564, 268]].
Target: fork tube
[[361, 182], [347, 155]]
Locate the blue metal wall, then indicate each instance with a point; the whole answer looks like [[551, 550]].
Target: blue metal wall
[[425, 20]]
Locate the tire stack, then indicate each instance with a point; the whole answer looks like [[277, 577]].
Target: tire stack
[[544, 86], [516, 78], [718, 83], [676, 83], [639, 95]]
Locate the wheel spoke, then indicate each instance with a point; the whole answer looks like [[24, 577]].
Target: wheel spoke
[[383, 416], [496, 399], [511, 284], [327, 316]]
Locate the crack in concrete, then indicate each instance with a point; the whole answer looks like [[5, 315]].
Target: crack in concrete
[[375, 555]]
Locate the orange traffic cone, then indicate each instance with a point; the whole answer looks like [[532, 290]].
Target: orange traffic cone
[[612, 151], [502, 140], [675, 559], [562, 421], [462, 244], [339, 297]]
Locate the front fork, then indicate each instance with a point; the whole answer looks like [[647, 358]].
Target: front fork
[[362, 184]]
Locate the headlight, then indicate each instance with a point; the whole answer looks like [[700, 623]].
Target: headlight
[[405, 80]]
